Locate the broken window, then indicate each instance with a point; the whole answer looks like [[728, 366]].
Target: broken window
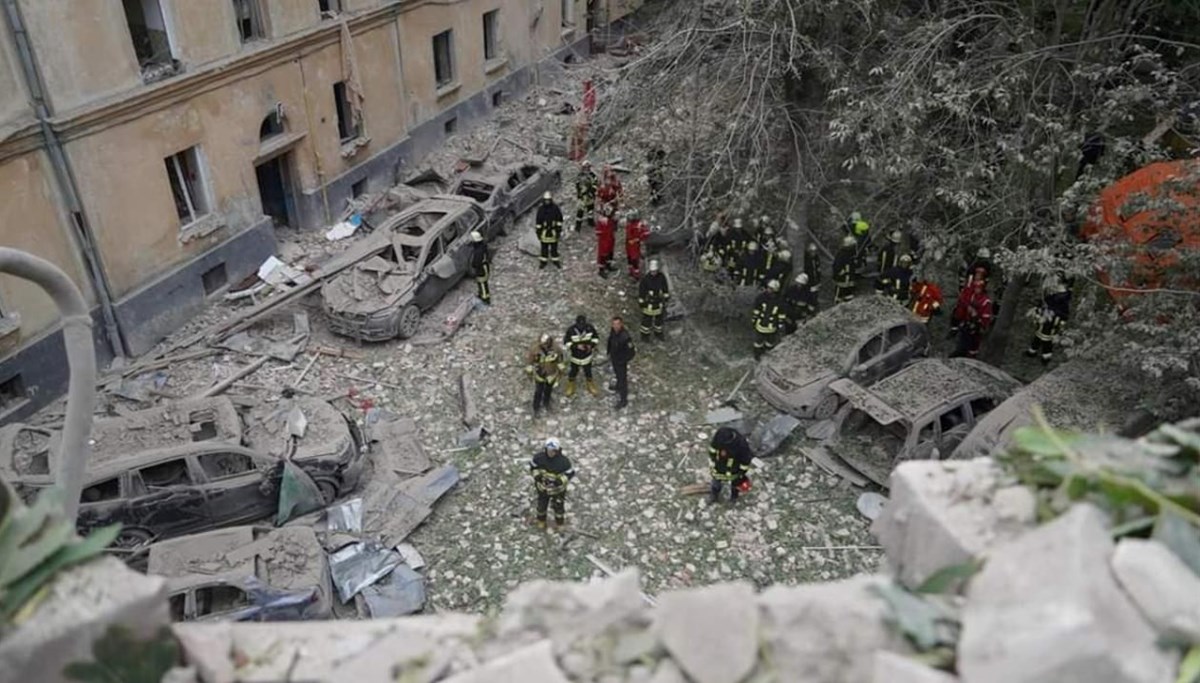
[[491, 34], [982, 406], [927, 434], [219, 599], [109, 489], [872, 348], [31, 452], [329, 7], [219, 466], [896, 336], [214, 279], [249, 16], [178, 603], [187, 185], [443, 58], [435, 251], [568, 12], [148, 32], [952, 418], [864, 433], [169, 473], [12, 393], [271, 125], [348, 127]]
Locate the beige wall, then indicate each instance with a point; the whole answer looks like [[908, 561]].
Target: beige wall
[[92, 54], [31, 220], [289, 16], [201, 31], [14, 100]]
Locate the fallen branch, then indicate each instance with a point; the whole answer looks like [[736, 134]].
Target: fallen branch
[[244, 372], [470, 417], [738, 387], [304, 372]]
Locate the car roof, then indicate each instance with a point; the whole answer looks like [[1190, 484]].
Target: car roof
[[925, 386], [287, 558], [827, 340]]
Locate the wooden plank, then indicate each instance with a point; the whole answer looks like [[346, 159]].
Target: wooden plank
[[694, 489], [470, 416], [245, 371]]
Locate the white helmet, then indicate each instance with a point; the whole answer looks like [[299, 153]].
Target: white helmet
[[785, 255], [896, 236], [476, 236], [802, 279], [812, 246], [752, 246], [849, 241], [768, 231], [984, 252], [552, 444], [545, 339], [546, 196], [737, 224], [855, 216], [906, 259], [586, 164], [773, 285], [653, 265]]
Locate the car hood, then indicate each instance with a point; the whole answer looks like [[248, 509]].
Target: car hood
[[369, 287], [326, 433], [797, 380]]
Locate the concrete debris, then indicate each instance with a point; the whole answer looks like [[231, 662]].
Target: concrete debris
[[1164, 588], [768, 436], [395, 595], [411, 556], [668, 672], [871, 504], [472, 438], [722, 416], [712, 632], [345, 516], [297, 423], [569, 612], [894, 668], [948, 513], [396, 447], [533, 664], [344, 229], [828, 632], [1046, 609], [359, 565]]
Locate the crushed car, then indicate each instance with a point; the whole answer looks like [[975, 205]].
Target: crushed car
[[509, 193], [192, 465], [922, 412], [404, 268], [864, 340], [245, 573]]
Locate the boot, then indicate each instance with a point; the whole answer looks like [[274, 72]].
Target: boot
[[540, 524], [560, 523], [570, 388], [621, 404], [714, 497], [592, 389]]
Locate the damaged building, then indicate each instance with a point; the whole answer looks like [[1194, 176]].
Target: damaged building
[[150, 148]]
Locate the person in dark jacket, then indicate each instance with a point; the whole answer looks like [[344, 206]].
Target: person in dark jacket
[[1050, 321], [752, 266], [779, 266], [812, 265], [581, 341], [889, 258], [481, 266], [895, 282], [799, 303], [845, 275], [551, 472], [585, 195], [620, 350], [548, 223], [653, 294], [729, 458], [768, 316]]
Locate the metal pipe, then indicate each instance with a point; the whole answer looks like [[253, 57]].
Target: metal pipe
[[81, 359], [64, 176]]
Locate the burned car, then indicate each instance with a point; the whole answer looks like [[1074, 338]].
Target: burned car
[[865, 340], [191, 465], [245, 574], [922, 412], [509, 193], [404, 268]]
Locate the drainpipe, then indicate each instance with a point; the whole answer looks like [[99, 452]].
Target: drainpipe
[[64, 177], [81, 358]]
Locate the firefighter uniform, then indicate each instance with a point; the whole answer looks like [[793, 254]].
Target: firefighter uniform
[[636, 233], [605, 242], [481, 267], [581, 341], [845, 276], [800, 303], [549, 222], [1050, 321], [860, 230], [753, 265], [812, 266], [896, 281], [713, 257], [779, 266], [738, 239], [768, 317], [585, 196], [925, 300], [552, 473], [653, 294], [889, 258], [544, 364], [729, 458], [972, 317]]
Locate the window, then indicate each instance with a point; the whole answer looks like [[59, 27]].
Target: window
[[177, 603], [435, 250], [497, 98], [218, 466], [109, 489], [12, 393], [982, 406], [187, 185], [148, 32], [329, 6], [219, 599], [450, 125], [897, 336], [170, 473], [491, 36], [249, 16], [952, 418], [349, 127], [872, 348], [271, 125], [927, 434], [443, 58], [568, 12], [358, 189], [214, 279]]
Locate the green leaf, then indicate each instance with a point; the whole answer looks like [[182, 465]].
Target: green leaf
[[1182, 538], [915, 618], [28, 585], [31, 535], [1037, 441], [1133, 526], [1189, 670], [121, 658], [946, 578]]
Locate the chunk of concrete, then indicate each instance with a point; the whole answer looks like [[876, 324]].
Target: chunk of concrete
[[946, 513], [533, 664], [711, 632], [79, 607], [893, 668], [667, 672], [827, 632], [1165, 589], [1047, 609], [566, 612]]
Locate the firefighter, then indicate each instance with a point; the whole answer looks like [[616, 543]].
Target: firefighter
[[730, 460], [889, 258], [551, 472], [845, 276], [653, 294], [972, 315], [970, 263], [620, 351], [481, 266], [606, 240], [544, 364], [738, 239], [580, 341], [779, 266], [812, 265], [713, 256], [860, 230], [609, 193], [753, 265], [585, 195], [549, 222], [636, 233], [1049, 319], [800, 303], [768, 240], [768, 317], [897, 281], [925, 299]]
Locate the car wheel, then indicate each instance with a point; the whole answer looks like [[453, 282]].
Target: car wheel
[[826, 407], [328, 489], [131, 538], [410, 319]]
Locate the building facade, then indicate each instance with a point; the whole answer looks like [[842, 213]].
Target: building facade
[[149, 148]]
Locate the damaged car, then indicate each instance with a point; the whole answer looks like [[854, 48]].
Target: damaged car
[[864, 340], [245, 573], [507, 194], [192, 465], [922, 412], [404, 268]]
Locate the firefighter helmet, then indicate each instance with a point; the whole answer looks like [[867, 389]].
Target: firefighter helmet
[[476, 236], [785, 255], [855, 216], [552, 444], [984, 252], [802, 279], [752, 246], [653, 265], [545, 339], [546, 196], [849, 241], [896, 236], [812, 246], [906, 259], [773, 285], [586, 164]]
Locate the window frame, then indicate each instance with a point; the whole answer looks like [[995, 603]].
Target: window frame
[[567, 8], [491, 35], [187, 468], [257, 18], [877, 340], [333, 7], [177, 179], [345, 115], [450, 70], [214, 478]]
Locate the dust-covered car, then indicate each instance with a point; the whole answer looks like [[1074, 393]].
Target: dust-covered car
[[192, 465], [865, 340], [508, 193], [245, 573], [404, 268], [922, 412]]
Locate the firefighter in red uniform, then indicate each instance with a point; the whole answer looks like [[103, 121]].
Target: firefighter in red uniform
[[606, 240], [972, 315], [636, 233], [925, 300], [609, 194]]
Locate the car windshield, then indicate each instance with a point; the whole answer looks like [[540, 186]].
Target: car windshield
[[418, 224], [475, 189], [865, 435]]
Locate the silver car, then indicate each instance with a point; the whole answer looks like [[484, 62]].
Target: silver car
[[508, 193]]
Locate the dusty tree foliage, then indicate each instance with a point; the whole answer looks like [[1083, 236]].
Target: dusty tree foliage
[[960, 120]]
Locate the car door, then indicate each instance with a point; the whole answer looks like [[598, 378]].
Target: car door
[[167, 499], [104, 502], [954, 423], [221, 602], [866, 369], [527, 187], [429, 287], [897, 350], [233, 486]]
